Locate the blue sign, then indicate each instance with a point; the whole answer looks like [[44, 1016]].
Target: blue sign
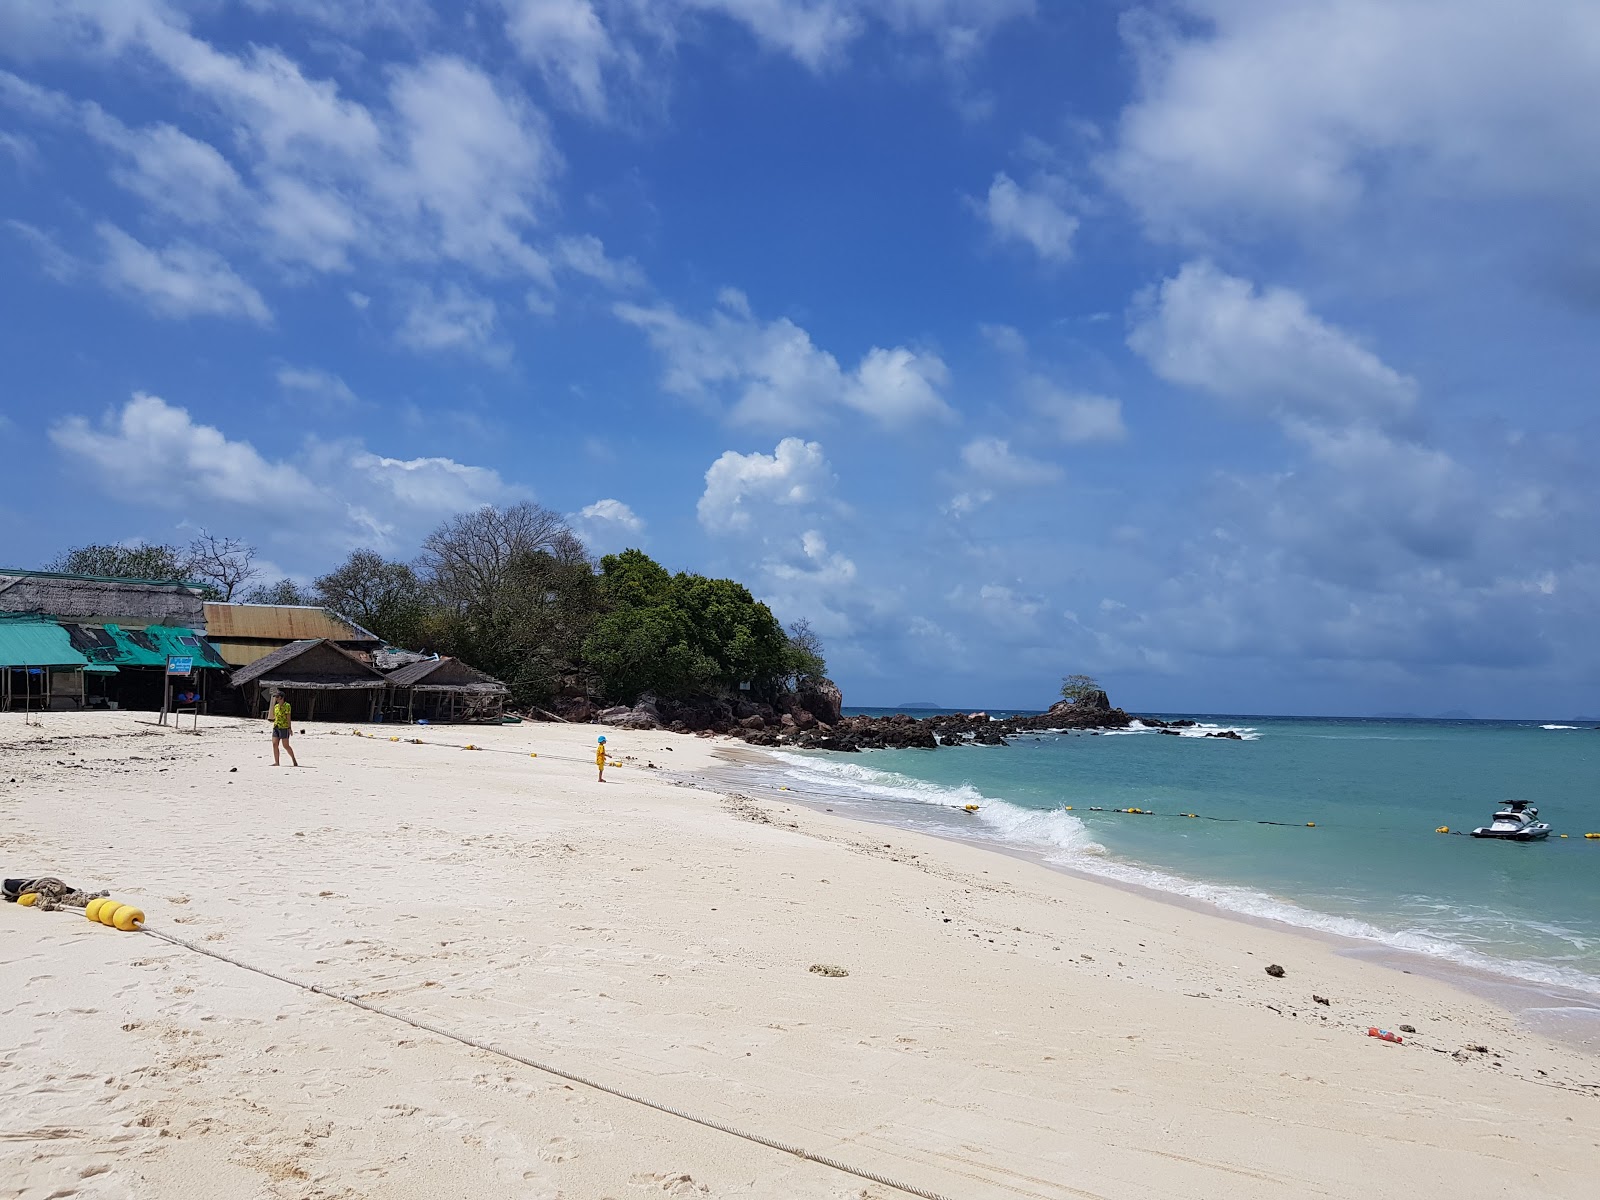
[[180, 666]]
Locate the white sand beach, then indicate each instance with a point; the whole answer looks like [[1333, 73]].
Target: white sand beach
[[1003, 1030]]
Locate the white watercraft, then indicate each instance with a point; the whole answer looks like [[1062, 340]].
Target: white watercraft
[[1518, 821]]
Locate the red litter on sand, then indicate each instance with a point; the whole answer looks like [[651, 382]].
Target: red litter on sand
[[1383, 1035]]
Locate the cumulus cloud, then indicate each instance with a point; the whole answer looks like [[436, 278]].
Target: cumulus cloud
[[340, 495], [157, 450], [1263, 350], [434, 485], [739, 486], [181, 280], [615, 512], [1033, 216], [772, 374], [1294, 112]]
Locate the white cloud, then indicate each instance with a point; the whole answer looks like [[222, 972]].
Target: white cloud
[[57, 263], [334, 495], [1004, 338], [308, 224], [157, 451], [814, 32], [567, 42], [354, 17], [993, 460], [435, 485], [774, 375], [453, 319], [311, 383], [477, 160], [182, 280], [1033, 216], [614, 512], [1298, 110], [586, 255], [738, 485], [1075, 417], [175, 174], [1265, 351]]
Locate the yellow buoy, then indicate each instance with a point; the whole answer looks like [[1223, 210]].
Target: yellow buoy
[[108, 910], [28, 899], [92, 910], [1561, 835], [971, 808], [1068, 808], [127, 918], [1311, 824], [1592, 836], [394, 739], [469, 746], [1442, 829]]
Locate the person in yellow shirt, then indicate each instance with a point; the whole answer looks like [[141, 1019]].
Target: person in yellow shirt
[[282, 728], [600, 757]]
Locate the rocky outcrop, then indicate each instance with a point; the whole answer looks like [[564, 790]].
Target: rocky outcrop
[[812, 718]]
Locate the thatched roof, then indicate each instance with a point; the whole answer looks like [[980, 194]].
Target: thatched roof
[[446, 675], [98, 599], [310, 663], [284, 623]]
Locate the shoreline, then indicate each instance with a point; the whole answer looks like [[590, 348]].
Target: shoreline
[[997, 1030], [1551, 1009]]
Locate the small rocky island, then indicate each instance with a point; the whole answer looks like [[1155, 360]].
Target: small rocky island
[[812, 718]]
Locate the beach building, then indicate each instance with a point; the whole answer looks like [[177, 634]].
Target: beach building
[[128, 667], [99, 599], [39, 666], [245, 633], [444, 689], [320, 678]]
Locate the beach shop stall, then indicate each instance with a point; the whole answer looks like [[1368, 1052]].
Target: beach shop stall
[[138, 661], [39, 667], [445, 689], [320, 679]]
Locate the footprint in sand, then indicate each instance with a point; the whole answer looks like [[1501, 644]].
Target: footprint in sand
[[669, 1184]]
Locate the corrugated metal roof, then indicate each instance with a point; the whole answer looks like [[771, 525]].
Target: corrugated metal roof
[[283, 623], [37, 644]]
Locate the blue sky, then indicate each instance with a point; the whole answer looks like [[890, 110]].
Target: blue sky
[[1242, 355]]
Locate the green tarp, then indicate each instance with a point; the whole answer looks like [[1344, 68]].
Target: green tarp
[[35, 643], [112, 645]]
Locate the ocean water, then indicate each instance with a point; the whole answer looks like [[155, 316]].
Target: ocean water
[[1368, 865]]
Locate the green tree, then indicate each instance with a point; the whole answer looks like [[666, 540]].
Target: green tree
[[1079, 687], [679, 635], [141, 560], [385, 597], [285, 591]]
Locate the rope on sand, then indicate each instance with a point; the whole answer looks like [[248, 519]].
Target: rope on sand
[[549, 1069]]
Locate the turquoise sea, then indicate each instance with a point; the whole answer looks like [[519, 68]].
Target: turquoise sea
[[1371, 868]]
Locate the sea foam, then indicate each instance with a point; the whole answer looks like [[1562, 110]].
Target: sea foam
[[1062, 839]]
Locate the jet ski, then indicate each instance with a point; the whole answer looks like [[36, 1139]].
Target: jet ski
[[1518, 821]]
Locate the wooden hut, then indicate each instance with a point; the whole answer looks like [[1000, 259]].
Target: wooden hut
[[243, 633], [99, 600], [320, 679], [444, 689]]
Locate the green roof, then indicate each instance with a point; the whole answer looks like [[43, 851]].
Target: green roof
[[35, 643], [153, 645]]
